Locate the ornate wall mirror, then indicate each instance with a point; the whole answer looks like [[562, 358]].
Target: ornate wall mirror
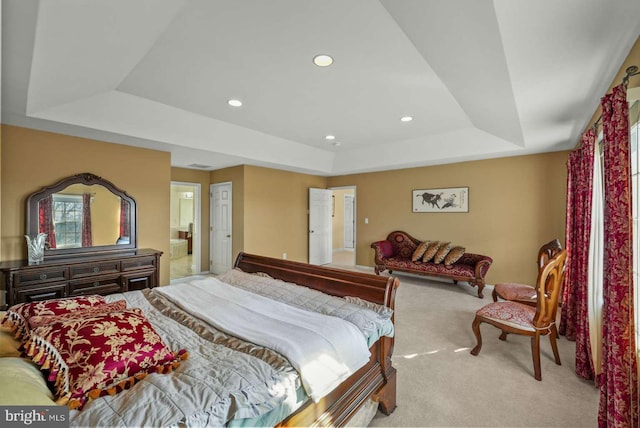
[[82, 214]]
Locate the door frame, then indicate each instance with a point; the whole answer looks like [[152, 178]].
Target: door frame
[[355, 218], [196, 249], [211, 222]]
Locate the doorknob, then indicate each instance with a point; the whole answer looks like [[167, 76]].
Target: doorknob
[[311, 231], [228, 236]]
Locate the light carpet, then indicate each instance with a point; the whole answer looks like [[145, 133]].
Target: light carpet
[[441, 384]]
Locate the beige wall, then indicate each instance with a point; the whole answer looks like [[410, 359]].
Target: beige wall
[[33, 159], [515, 205], [276, 212], [269, 210], [202, 177]]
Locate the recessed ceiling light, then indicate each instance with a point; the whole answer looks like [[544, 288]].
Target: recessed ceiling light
[[337, 144], [406, 118], [234, 103], [322, 60], [330, 137]]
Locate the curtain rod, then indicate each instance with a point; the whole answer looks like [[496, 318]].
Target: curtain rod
[[630, 71]]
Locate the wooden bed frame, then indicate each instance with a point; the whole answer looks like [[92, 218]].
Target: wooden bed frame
[[377, 379]]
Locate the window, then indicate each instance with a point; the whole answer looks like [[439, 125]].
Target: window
[[67, 220]]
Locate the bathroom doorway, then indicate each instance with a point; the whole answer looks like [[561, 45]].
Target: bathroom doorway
[[343, 216], [184, 243]]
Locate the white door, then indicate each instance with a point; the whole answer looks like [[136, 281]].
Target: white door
[[319, 226], [349, 240], [220, 227]]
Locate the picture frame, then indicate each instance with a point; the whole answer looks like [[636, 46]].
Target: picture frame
[[440, 200]]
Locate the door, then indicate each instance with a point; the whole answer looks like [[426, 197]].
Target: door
[[349, 205], [319, 226], [221, 222]]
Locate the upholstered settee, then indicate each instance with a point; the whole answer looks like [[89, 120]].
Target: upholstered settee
[[398, 251]]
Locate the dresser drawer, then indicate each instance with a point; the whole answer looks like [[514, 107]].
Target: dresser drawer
[[39, 276], [43, 292], [89, 269], [139, 280], [138, 263], [99, 285]]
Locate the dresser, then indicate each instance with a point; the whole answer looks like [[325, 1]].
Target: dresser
[[80, 275]]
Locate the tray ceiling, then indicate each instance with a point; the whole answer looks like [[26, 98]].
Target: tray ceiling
[[480, 78]]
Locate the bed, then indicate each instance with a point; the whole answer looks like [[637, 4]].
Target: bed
[[169, 398]]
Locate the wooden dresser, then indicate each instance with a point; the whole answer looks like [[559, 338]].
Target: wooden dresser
[[78, 275]]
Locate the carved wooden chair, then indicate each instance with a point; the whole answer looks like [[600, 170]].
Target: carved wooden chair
[[518, 318], [525, 293]]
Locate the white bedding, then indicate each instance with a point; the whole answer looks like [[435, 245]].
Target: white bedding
[[224, 378], [324, 349]]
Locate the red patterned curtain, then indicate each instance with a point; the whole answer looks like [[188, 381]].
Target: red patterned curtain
[[45, 220], [619, 378], [124, 218], [574, 320], [86, 221]]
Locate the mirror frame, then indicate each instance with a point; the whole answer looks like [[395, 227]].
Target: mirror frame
[[90, 180]]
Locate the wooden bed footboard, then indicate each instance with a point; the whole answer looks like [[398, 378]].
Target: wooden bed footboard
[[377, 379]]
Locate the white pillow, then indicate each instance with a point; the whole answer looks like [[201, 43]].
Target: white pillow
[[22, 384]]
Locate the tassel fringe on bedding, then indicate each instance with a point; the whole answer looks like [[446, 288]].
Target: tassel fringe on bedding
[[16, 324]]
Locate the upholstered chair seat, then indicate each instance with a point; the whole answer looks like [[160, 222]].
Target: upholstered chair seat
[[512, 314], [514, 291], [525, 293]]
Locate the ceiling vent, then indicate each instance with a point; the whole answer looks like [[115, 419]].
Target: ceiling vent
[[199, 165]]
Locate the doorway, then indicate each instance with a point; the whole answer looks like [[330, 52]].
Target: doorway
[[344, 226], [184, 232], [332, 226]]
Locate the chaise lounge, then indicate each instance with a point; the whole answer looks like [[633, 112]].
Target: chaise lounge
[[398, 250]]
